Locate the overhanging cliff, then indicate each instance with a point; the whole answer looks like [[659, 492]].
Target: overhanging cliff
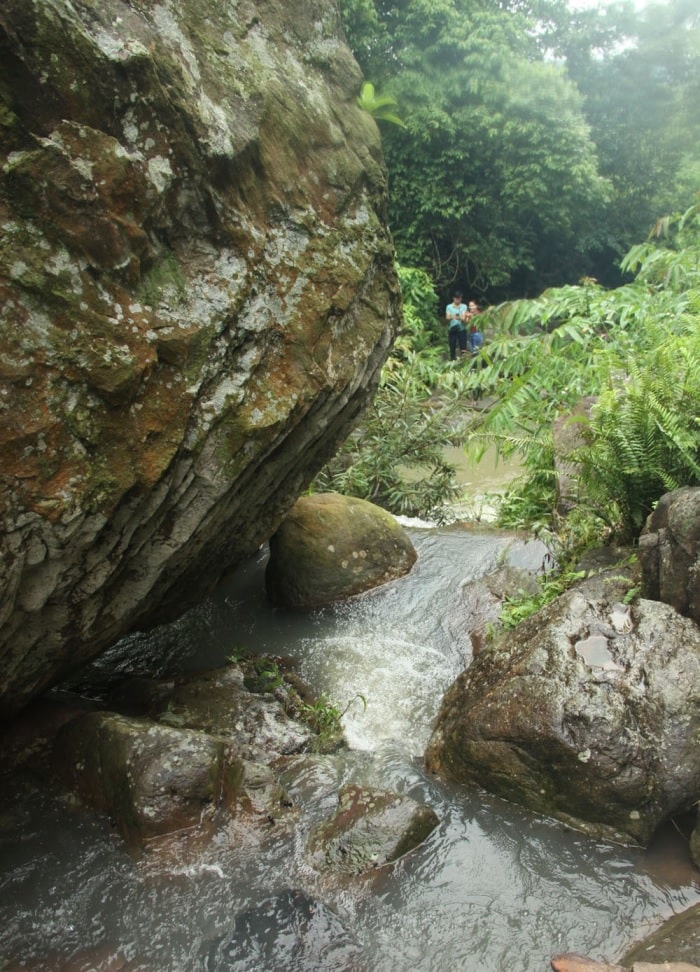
[[197, 294]]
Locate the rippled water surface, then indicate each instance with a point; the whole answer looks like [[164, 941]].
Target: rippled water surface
[[494, 889]]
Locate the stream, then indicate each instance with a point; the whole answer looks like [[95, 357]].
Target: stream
[[493, 889]]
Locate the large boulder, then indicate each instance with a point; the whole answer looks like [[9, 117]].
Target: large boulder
[[588, 711], [198, 293], [330, 547], [669, 551]]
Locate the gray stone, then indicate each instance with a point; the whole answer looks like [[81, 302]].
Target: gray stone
[[371, 828], [152, 780], [588, 711]]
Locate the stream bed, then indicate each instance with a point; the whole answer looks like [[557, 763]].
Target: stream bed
[[493, 889]]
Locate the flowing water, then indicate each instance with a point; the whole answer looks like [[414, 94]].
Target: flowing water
[[493, 889]]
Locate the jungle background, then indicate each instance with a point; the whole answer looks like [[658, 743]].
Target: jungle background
[[543, 159]]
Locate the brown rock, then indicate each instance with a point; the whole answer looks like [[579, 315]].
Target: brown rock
[[331, 547], [198, 293]]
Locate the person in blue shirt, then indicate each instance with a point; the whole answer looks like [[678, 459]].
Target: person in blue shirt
[[455, 315]]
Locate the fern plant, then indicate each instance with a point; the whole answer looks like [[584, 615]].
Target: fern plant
[[643, 439], [636, 349]]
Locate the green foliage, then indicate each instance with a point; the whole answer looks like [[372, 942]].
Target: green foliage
[[421, 327], [379, 107], [494, 171], [540, 141], [516, 609], [262, 674], [639, 73], [324, 717], [395, 457], [637, 349], [643, 439]]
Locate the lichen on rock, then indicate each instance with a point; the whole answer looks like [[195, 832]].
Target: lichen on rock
[[198, 293]]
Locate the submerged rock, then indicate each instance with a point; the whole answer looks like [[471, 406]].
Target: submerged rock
[[370, 829], [198, 293], [588, 711], [199, 745], [330, 547], [291, 930]]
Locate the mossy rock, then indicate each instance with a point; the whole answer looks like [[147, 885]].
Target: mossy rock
[[331, 547]]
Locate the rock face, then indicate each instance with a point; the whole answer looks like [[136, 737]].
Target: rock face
[[669, 552], [587, 711], [330, 547], [197, 296]]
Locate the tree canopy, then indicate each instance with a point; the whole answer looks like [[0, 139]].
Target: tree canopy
[[539, 142]]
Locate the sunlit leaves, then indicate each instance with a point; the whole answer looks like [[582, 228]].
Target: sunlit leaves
[[381, 107]]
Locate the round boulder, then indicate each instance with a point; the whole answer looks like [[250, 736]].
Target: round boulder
[[330, 547]]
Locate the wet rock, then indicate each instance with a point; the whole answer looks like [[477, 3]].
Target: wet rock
[[189, 746], [255, 725], [291, 931], [588, 711], [483, 599], [669, 552], [676, 941], [371, 828], [198, 293], [151, 779], [330, 547]]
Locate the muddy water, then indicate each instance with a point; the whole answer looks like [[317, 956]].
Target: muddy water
[[494, 889]]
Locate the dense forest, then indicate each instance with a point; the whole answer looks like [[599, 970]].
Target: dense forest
[[539, 142], [544, 160]]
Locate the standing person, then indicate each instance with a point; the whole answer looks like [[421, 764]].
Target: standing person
[[455, 315], [475, 338]]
